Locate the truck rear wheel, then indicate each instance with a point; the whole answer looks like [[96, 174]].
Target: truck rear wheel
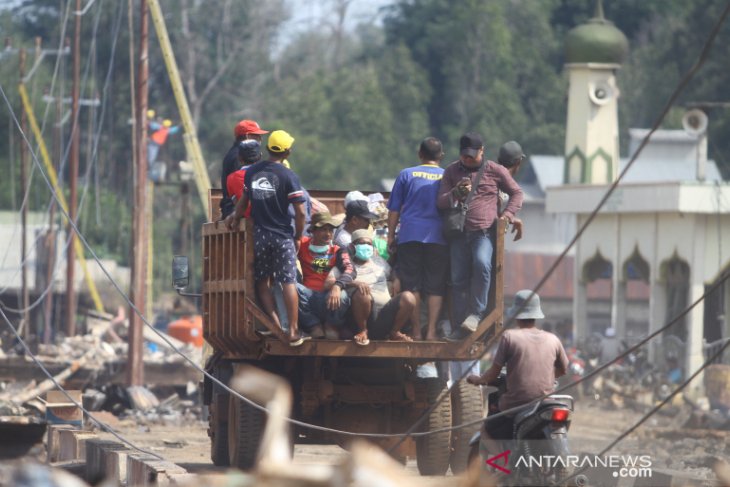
[[245, 429], [466, 406], [218, 429], [432, 451]]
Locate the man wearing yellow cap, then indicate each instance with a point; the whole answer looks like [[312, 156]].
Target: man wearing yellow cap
[[271, 188]]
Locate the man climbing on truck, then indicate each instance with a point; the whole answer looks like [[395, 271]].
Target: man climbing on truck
[[271, 188]]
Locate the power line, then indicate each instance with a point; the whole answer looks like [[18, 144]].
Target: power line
[[101, 424], [672, 99]]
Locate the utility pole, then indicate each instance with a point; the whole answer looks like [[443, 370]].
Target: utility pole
[[135, 366], [24, 213], [73, 176]]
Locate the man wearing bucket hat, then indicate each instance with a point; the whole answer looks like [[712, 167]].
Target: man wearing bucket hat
[[534, 358]]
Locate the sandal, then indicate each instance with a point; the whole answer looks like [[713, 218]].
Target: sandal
[[297, 342], [361, 339], [397, 336]]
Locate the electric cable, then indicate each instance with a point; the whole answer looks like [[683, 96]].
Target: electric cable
[[425, 414], [709, 42], [656, 408], [96, 139], [331, 430], [99, 423]]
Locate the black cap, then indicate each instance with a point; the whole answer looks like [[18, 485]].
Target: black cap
[[359, 208], [510, 154], [470, 143], [249, 151]]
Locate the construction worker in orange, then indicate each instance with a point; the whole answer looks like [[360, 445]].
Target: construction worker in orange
[[159, 131]]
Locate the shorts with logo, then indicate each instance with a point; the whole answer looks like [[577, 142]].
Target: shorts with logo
[[274, 255], [423, 267]]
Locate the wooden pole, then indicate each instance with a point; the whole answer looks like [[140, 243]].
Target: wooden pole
[[72, 179], [24, 213], [135, 368]]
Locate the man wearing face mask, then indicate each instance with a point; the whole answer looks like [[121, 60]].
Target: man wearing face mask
[[374, 312], [471, 251], [321, 302]]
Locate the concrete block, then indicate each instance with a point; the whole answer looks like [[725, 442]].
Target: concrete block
[[104, 460], [146, 470], [72, 444], [53, 446]]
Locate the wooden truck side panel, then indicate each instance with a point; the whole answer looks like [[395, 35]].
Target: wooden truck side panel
[[231, 315]]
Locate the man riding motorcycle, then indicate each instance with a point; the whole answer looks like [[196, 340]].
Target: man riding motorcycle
[[533, 357]]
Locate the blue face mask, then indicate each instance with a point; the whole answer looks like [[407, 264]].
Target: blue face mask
[[363, 251], [319, 249]]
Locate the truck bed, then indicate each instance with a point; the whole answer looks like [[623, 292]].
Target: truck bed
[[231, 315]]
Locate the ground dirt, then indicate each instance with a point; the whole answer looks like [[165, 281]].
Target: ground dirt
[[594, 426]]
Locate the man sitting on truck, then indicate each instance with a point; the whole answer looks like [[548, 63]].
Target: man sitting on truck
[[357, 217], [320, 303], [271, 188], [373, 310]]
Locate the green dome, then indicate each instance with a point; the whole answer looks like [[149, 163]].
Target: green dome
[[596, 41]]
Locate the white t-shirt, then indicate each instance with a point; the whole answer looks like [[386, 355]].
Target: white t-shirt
[[374, 273]]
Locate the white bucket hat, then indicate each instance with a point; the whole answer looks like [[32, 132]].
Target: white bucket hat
[[524, 309]]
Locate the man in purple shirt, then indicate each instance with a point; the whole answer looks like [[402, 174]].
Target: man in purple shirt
[[471, 252]]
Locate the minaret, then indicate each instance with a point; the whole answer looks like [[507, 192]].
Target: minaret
[[593, 53]]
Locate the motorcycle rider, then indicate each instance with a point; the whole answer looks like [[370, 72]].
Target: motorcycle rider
[[534, 358]]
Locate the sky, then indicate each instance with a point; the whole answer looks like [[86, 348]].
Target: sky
[[308, 14]]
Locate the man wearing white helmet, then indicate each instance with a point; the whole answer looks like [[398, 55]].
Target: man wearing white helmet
[[534, 358]]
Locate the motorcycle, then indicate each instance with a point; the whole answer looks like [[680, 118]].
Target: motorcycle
[[540, 436]]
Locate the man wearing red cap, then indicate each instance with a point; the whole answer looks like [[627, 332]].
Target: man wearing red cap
[[245, 129]]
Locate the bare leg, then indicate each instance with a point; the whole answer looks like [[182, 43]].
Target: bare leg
[[266, 297], [416, 316], [291, 301], [361, 307], [434, 310], [405, 310]]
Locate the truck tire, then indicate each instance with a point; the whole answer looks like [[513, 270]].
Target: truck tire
[[432, 451], [218, 429], [466, 406], [245, 429]]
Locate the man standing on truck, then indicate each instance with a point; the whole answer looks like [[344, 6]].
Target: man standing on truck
[[471, 251], [511, 156], [534, 359], [319, 303], [373, 310], [271, 188], [244, 130], [421, 247], [249, 152]]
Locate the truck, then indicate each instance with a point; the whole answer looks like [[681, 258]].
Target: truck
[[385, 387]]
